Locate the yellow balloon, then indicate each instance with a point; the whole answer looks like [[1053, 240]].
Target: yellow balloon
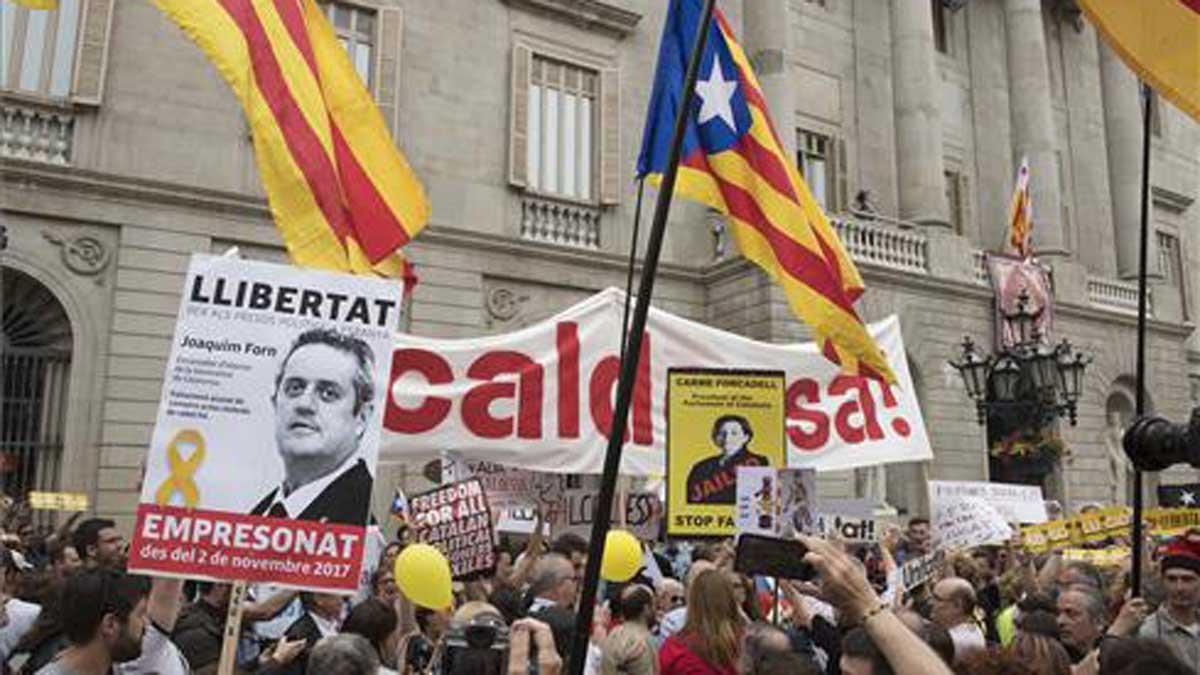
[[423, 575], [622, 556]]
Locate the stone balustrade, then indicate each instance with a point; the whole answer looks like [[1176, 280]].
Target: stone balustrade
[[1114, 294], [560, 223], [884, 245], [35, 132]]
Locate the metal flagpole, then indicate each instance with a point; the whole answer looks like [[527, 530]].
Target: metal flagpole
[[1140, 405], [629, 365], [637, 221]]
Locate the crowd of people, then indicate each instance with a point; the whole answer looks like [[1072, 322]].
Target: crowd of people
[[69, 608]]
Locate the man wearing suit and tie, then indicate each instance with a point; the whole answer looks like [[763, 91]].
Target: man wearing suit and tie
[[323, 399]]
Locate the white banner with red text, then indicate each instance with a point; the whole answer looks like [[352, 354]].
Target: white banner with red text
[[541, 398]]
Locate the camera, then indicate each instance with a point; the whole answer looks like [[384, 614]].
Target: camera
[[479, 645], [1154, 443]]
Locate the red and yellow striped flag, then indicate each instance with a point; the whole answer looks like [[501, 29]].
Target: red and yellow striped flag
[[1020, 213], [1159, 40], [342, 195], [732, 161]]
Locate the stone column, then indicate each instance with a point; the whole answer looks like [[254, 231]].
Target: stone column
[[1033, 121], [1123, 128], [920, 167], [767, 28]]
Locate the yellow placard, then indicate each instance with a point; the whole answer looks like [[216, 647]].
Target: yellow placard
[[1113, 521], [1100, 557], [718, 420], [58, 501]]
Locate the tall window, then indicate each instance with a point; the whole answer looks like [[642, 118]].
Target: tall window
[[355, 28], [561, 125], [941, 35], [954, 199], [1169, 263], [1156, 114], [813, 158], [37, 48]]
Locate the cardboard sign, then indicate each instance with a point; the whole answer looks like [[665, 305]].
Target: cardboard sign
[[718, 421], [505, 486], [966, 522], [456, 520], [262, 460], [58, 501], [1017, 503], [541, 398], [572, 508]]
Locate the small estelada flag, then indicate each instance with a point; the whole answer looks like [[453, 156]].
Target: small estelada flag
[[1186, 495], [1020, 214]]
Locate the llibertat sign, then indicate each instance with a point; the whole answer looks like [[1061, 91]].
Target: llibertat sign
[[541, 398], [262, 460]]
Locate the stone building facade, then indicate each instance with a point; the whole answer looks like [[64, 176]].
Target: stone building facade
[[123, 153]]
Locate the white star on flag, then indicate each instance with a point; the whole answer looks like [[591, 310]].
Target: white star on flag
[[1187, 498], [717, 93]]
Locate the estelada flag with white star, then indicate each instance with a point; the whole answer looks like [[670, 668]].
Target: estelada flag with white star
[[1186, 495], [732, 161]]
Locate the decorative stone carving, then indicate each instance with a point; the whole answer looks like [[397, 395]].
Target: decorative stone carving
[[82, 254], [503, 304]]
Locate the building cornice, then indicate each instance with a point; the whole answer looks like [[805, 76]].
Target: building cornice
[[591, 14], [1171, 200]]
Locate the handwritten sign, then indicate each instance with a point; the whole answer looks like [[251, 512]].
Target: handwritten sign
[[456, 520], [1017, 503], [965, 522], [919, 570]]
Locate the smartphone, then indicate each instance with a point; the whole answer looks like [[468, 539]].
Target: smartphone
[[771, 557]]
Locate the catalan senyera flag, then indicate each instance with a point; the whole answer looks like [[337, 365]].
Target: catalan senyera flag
[[1159, 40], [1020, 213], [342, 195], [732, 161]]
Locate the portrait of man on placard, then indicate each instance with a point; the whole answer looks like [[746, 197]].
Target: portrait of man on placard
[[323, 400], [713, 480]]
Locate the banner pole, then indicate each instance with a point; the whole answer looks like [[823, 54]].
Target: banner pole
[[637, 221], [629, 365], [233, 629], [1140, 406]]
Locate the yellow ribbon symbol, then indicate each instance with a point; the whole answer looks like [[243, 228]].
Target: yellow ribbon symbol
[[182, 469]]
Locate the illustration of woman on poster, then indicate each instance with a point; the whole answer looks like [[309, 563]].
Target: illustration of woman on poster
[[713, 480]]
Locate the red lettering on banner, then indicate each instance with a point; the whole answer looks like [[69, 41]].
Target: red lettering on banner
[[476, 414], [568, 379], [434, 409], [809, 391], [899, 424], [600, 393], [864, 405]]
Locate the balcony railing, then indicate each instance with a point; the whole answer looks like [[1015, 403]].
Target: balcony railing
[[560, 223], [883, 245], [34, 132], [1121, 296]]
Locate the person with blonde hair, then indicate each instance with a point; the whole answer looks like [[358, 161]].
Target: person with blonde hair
[[711, 637]]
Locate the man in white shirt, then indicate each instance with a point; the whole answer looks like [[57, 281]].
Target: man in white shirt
[[323, 398], [953, 608]]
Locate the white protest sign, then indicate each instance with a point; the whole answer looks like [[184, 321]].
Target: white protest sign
[[573, 508], [277, 377], [758, 508], [505, 486], [964, 522], [1017, 503]]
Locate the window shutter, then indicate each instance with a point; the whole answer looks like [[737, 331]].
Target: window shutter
[[518, 130], [964, 204], [841, 198], [389, 40], [610, 137], [91, 59]]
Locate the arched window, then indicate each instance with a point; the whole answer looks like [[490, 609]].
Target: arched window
[[35, 362]]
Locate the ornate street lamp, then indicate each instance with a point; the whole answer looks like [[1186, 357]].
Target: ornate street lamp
[[1029, 381]]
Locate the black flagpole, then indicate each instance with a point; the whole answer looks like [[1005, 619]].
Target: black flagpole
[[1140, 406], [637, 221], [629, 366]]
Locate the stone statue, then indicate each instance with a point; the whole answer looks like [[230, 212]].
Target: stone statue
[[1118, 464]]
